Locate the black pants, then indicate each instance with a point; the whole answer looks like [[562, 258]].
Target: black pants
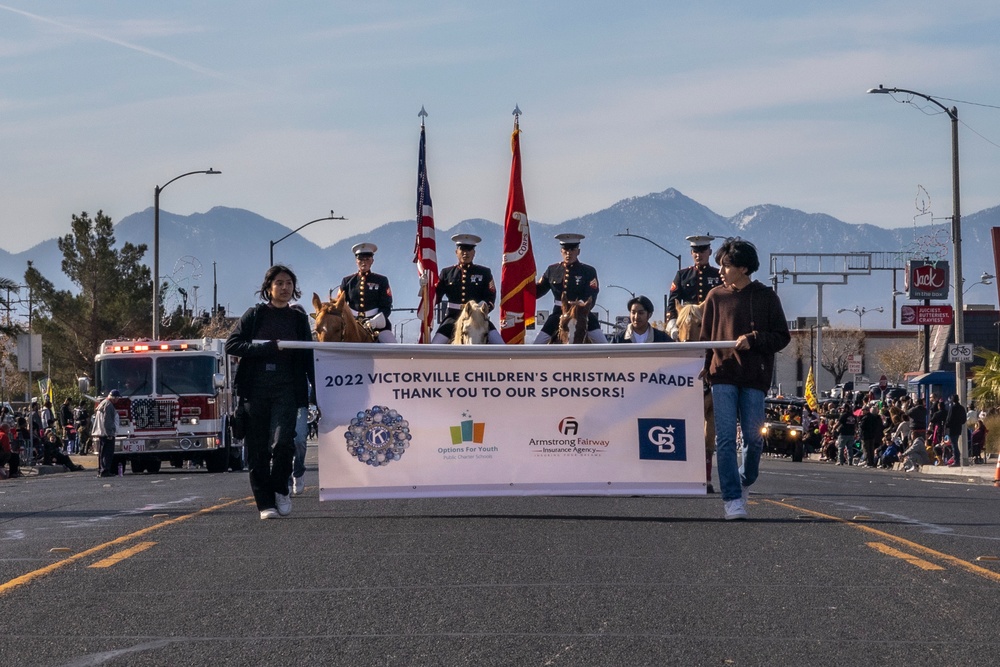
[[106, 457], [270, 442]]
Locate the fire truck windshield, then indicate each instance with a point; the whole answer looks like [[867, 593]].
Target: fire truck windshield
[[131, 375], [183, 374]]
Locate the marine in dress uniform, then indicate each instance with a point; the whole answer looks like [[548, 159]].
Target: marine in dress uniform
[[368, 294], [574, 280], [462, 283], [691, 285]]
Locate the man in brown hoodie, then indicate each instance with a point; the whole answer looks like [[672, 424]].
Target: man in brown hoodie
[[747, 312]]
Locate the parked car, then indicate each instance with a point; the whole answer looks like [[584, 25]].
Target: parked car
[[892, 392], [782, 431]]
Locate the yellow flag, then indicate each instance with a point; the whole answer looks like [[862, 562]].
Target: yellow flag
[[811, 391]]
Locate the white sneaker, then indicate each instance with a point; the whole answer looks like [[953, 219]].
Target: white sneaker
[[283, 503], [736, 509], [298, 485], [269, 514]]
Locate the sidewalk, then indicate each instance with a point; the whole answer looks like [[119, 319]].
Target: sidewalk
[[976, 474]]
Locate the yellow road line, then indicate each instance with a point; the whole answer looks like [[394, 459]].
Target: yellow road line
[[17, 582], [927, 551], [896, 553], [123, 554]]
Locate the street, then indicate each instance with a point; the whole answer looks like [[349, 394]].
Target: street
[[837, 566]]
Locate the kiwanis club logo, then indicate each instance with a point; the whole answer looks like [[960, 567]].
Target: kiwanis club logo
[[377, 436], [662, 439]]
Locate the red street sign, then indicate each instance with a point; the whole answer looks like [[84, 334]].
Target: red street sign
[[926, 315]]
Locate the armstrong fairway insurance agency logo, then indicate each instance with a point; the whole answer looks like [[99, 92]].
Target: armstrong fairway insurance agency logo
[[662, 439], [377, 436]]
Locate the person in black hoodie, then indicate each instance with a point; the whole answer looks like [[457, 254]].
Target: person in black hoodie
[[272, 384], [954, 423], [871, 433], [747, 312]]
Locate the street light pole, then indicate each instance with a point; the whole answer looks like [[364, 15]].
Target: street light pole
[[274, 243], [156, 245], [956, 239], [677, 257], [860, 311], [630, 292]]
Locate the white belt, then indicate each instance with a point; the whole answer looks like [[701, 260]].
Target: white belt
[[368, 313]]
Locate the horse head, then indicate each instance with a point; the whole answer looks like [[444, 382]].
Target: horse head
[[335, 323], [573, 322], [689, 319], [472, 326]]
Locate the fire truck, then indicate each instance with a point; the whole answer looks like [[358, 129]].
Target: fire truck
[[177, 401]]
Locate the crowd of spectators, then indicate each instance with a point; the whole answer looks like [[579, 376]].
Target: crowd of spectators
[[38, 435], [865, 430]]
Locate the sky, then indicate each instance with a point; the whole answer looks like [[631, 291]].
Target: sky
[[312, 106]]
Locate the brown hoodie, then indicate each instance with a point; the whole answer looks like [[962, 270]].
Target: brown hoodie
[[728, 314]]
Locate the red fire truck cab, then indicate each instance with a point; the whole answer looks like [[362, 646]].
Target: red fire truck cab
[[177, 402]]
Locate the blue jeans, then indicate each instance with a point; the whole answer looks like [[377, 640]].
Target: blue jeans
[[746, 406], [301, 429]]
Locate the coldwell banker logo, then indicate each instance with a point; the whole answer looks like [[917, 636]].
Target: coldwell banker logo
[[662, 439]]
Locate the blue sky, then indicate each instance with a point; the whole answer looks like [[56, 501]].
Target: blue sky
[[311, 106]]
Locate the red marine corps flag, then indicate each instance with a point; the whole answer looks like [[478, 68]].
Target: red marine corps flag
[[425, 249], [517, 274]]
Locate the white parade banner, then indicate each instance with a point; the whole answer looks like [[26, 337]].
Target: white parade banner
[[413, 421]]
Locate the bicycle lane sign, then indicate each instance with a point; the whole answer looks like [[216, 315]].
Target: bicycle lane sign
[[960, 353]]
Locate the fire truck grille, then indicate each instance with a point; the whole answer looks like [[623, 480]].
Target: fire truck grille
[[154, 413]]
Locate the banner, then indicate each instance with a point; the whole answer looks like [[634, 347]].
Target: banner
[[425, 248], [517, 272], [411, 421]]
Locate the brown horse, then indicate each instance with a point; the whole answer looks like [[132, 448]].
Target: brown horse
[[335, 323], [689, 322], [472, 326], [689, 319], [573, 322]]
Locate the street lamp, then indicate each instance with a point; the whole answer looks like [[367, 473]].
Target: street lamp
[[630, 292], [985, 279], [156, 245], [860, 311], [956, 240], [677, 257], [274, 243]]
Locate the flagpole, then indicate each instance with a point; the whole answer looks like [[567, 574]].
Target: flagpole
[[425, 248]]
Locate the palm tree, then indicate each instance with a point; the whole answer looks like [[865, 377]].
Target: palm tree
[[986, 380]]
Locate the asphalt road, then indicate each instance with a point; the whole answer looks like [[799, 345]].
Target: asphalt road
[[838, 566]]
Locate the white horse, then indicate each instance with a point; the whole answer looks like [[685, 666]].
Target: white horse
[[472, 326]]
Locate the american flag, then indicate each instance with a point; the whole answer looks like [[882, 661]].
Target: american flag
[[425, 249]]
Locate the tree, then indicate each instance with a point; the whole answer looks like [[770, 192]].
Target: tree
[[113, 300], [899, 359], [838, 345], [986, 380]]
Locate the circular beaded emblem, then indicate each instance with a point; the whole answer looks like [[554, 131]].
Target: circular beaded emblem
[[377, 436]]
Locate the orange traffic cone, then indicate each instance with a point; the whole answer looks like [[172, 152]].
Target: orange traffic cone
[[996, 474]]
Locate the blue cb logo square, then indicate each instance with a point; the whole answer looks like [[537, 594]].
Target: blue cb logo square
[[662, 439]]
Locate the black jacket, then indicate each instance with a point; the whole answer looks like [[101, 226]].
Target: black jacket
[[691, 285], [241, 344]]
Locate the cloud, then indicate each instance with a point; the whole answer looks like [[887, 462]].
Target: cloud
[[143, 28]]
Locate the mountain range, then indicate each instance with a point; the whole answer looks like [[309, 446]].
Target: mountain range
[[229, 248]]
